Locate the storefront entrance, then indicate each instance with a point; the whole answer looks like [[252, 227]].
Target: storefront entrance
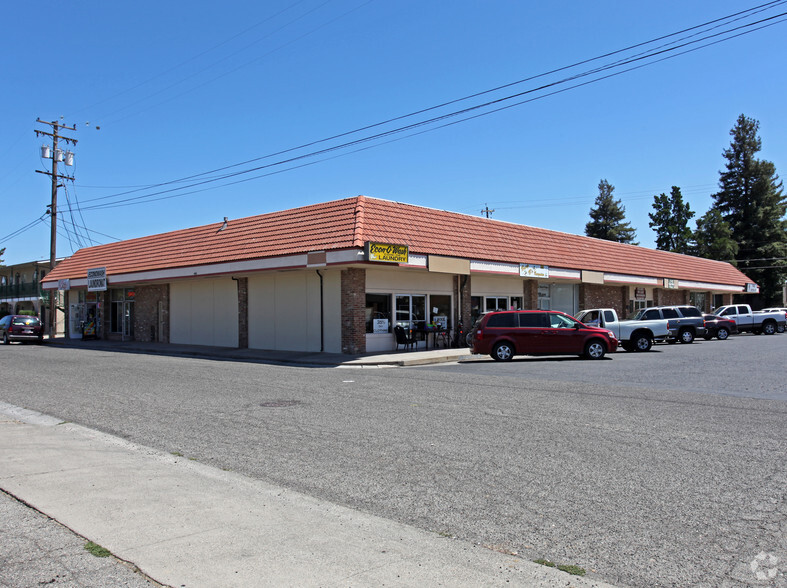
[[121, 318], [411, 311]]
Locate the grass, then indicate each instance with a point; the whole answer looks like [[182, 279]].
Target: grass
[[96, 549], [570, 569]]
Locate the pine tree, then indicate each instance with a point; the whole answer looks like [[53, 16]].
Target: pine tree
[[751, 201], [607, 218], [671, 222], [713, 238]]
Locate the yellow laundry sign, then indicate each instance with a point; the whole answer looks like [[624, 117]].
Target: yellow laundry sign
[[387, 252]]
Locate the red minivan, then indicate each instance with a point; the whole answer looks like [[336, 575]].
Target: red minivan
[[538, 332], [17, 327]]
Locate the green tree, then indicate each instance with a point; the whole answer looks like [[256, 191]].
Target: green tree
[[751, 201], [713, 238], [670, 221], [606, 218]]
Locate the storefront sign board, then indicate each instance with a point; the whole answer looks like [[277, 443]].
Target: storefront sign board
[[670, 284], [387, 252], [64, 284], [97, 279], [527, 270]]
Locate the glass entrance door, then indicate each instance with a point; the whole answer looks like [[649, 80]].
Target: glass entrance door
[[411, 311], [128, 320]]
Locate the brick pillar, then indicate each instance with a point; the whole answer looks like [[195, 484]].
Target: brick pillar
[[243, 313], [462, 292], [353, 310], [530, 295]]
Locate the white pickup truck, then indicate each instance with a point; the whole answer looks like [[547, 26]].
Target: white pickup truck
[[634, 335], [755, 322]]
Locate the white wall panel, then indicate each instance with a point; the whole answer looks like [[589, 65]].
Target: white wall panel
[[285, 313], [204, 312]]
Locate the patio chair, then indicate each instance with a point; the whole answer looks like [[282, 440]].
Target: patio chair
[[402, 338]]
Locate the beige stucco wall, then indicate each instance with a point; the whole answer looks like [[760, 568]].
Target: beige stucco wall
[[496, 286], [408, 282], [204, 312], [284, 311]]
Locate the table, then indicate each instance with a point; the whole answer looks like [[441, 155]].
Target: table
[[437, 336]]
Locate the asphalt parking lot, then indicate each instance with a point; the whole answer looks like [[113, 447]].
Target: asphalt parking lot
[[658, 469]]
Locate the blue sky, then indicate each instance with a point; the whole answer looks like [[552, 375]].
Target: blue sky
[[182, 88]]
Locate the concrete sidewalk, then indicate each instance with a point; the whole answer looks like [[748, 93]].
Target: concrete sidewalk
[[304, 358], [186, 524]]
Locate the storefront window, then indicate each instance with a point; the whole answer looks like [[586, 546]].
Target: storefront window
[[544, 300], [516, 303], [493, 303], [440, 305], [697, 299], [411, 311], [378, 313], [475, 308]]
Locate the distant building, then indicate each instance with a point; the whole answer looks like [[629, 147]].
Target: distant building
[[21, 292], [338, 276]]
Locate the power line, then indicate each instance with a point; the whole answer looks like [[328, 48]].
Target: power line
[[664, 52]]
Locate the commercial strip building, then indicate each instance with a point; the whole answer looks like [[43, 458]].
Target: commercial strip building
[[338, 276]]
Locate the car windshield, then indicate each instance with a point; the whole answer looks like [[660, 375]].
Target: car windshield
[[558, 321], [27, 321]]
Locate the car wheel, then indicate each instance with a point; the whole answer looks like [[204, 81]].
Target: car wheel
[[595, 350], [686, 336], [769, 328], [780, 329], [502, 351], [5, 339], [722, 333], [642, 343]]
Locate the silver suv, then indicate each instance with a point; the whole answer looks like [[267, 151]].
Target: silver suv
[[685, 323]]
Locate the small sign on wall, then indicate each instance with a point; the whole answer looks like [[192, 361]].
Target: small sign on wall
[[380, 326]]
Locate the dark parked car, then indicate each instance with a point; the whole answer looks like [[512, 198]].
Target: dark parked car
[[538, 332], [719, 327], [18, 327]]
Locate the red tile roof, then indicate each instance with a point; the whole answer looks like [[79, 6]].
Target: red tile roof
[[350, 222]]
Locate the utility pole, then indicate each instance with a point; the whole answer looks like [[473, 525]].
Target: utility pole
[[56, 155], [486, 210]]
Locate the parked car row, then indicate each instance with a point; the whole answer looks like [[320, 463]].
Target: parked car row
[[18, 327], [598, 331]]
